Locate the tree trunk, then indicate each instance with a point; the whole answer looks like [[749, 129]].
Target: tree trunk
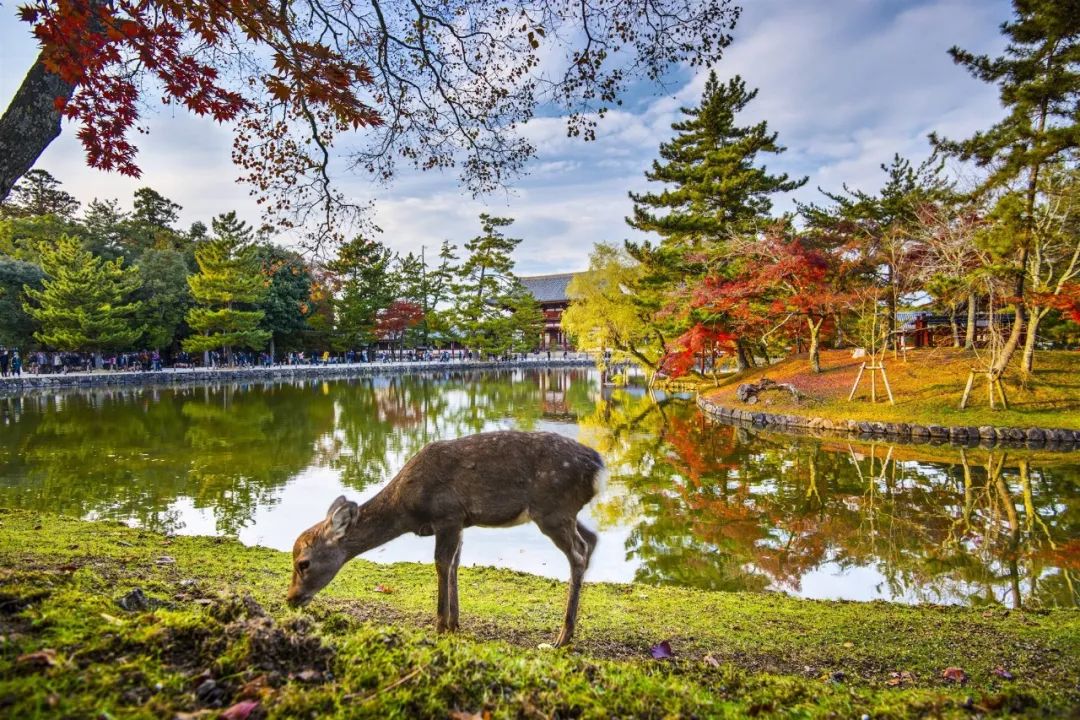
[[815, 350], [1028, 361], [838, 341], [30, 123], [955, 326], [1012, 342], [969, 332], [743, 361], [273, 351]]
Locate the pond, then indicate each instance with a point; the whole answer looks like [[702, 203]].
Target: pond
[[690, 502]]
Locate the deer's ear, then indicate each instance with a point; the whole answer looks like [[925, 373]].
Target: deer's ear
[[341, 500], [340, 519]]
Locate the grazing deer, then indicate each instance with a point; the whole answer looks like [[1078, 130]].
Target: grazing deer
[[496, 479]]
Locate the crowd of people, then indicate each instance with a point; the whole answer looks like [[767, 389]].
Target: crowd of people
[[42, 362]]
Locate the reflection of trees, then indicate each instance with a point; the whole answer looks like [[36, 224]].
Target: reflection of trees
[[713, 506], [382, 421], [132, 454]]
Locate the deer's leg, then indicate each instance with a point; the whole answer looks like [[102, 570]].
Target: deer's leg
[[564, 533], [447, 544], [452, 589], [590, 540]]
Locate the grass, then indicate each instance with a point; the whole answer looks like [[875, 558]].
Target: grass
[[222, 635], [927, 386]]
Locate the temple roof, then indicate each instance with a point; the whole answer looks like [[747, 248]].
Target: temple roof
[[548, 288]]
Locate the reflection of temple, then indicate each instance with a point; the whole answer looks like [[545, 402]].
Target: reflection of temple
[[553, 387], [550, 293]]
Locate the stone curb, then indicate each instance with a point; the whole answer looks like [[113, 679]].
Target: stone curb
[[965, 436], [32, 383]]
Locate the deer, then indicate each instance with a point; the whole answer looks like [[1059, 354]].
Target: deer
[[493, 479]]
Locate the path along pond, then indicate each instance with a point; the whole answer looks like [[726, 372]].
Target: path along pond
[[691, 501]]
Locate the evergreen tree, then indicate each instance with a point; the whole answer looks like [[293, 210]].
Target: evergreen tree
[[287, 304], [151, 224], [165, 295], [715, 190], [879, 229], [229, 283], [486, 292], [1039, 81], [84, 301], [363, 272], [39, 193], [429, 288], [16, 325], [105, 225]]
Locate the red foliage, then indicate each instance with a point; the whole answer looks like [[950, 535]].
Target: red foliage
[[105, 48], [772, 283], [391, 323]]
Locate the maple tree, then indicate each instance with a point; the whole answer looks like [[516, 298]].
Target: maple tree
[[437, 84], [783, 283], [391, 323]]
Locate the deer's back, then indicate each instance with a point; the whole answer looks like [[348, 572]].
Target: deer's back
[[497, 478]]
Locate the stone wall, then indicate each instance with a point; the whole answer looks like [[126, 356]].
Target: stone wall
[[30, 383], [986, 436]]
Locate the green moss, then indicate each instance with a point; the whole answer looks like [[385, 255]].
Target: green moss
[[356, 651]]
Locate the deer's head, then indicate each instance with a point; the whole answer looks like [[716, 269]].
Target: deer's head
[[318, 553]]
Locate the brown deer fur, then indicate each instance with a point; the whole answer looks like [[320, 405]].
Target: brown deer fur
[[495, 479]]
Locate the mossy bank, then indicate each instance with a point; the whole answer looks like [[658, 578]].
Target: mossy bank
[[208, 631]]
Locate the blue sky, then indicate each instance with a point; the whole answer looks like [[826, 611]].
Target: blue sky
[[846, 83]]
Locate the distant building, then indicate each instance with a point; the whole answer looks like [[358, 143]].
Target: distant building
[[550, 293]]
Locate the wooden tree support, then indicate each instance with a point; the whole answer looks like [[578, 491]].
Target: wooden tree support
[[880, 366], [993, 382]]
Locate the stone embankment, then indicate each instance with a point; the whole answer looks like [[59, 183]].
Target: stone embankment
[[169, 377], [969, 436]]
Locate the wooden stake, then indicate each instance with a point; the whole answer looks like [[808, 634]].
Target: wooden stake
[[885, 379], [858, 377], [967, 389]]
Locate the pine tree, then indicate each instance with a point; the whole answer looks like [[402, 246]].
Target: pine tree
[[487, 293], [229, 282], [1039, 81], [362, 270], [715, 190], [39, 193], [83, 303]]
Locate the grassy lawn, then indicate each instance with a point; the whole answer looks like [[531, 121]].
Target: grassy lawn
[[222, 635], [927, 386]]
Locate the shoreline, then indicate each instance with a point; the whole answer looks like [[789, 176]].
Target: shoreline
[[185, 376], [986, 436]]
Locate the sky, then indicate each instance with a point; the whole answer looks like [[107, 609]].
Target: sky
[[845, 83]]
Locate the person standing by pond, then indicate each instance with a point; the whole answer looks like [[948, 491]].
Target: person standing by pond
[[16, 364], [3, 362]]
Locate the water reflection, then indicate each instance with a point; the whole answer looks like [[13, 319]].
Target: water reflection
[[691, 502]]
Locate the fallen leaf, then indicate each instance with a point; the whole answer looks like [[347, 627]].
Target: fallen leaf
[[462, 715], [1002, 673], [240, 710], [68, 568], [662, 651], [111, 619], [954, 674], [41, 658], [254, 688], [545, 646], [849, 644], [309, 676], [165, 560], [380, 588], [898, 679], [710, 660]]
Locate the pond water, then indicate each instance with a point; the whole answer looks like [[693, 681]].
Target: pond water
[[690, 502]]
